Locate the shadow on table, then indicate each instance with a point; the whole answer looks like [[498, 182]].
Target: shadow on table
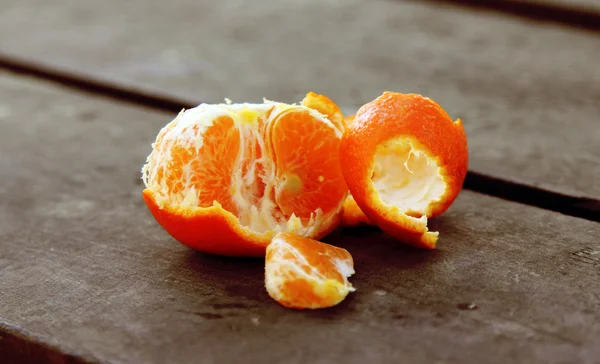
[[381, 262]]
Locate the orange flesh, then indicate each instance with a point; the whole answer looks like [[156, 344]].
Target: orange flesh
[[309, 175], [308, 171], [326, 107], [274, 167], [305, 273], [191, 168]]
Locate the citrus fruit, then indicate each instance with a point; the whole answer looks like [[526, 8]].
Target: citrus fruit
[[225, 178], [404, 161], [305, 273]]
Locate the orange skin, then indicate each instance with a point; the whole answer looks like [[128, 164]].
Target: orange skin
[[214, 230], [428, 126], [353, 215], [227, 236]]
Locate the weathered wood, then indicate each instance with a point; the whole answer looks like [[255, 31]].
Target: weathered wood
[[527, 91], [85, 270]]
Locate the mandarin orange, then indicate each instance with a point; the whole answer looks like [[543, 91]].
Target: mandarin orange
[[307, 274], [224, 179], [404, 161]]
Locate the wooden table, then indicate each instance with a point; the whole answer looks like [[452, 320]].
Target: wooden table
[[86, 274]]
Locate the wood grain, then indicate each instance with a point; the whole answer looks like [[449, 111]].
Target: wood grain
[[527, 91], [86, 272]]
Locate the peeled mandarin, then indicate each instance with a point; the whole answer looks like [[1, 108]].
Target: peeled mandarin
[[226, 178]]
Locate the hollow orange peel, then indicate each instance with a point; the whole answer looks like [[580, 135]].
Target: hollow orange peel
[[404, 161], [304, 273], [225, 178]]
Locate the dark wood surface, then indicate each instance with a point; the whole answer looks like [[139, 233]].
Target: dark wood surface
[[87, 275], [526, 90]]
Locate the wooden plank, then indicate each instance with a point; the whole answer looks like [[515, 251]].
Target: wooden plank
[[86, 272], [527, 91]]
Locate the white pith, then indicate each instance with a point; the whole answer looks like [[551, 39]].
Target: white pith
[[406, 178], [259, 215]]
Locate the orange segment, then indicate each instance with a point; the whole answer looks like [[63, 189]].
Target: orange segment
[[325, 106], [192, 168], [226, 178], [309, 174], [404, 161], [305, 273]]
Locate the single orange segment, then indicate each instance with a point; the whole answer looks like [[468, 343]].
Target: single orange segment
[[307, 274], [225, 178], [404, 161]]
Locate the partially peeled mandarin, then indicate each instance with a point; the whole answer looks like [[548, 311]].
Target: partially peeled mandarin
[[225, 178]]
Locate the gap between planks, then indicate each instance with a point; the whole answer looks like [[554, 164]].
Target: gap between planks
[[508, 189], [578, 17]]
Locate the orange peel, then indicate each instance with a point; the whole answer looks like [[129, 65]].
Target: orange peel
[[404, 161]]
